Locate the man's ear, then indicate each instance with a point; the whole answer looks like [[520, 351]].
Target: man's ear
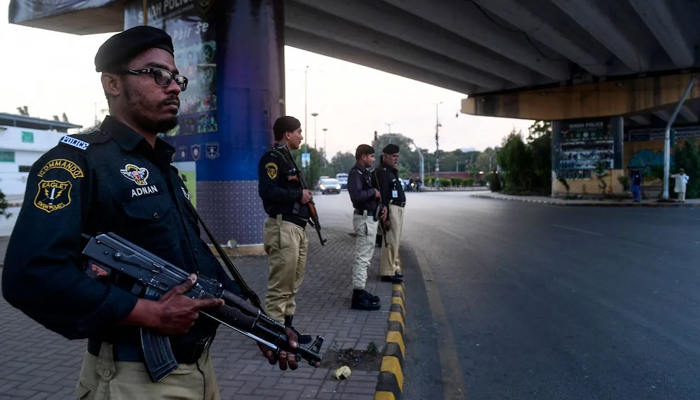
[[111, 84]]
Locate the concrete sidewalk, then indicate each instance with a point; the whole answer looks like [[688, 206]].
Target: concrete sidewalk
[[35, 363], [585, 203]]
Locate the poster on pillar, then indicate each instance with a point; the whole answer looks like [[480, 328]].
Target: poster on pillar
[[191, 25], [579, 146]]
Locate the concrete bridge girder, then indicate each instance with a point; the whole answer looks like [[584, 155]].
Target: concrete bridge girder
[[412, 31], [313, 22], [465, 20]]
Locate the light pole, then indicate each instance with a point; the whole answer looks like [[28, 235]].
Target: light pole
[[325, 150], [389, 125], [437, 144], [306, 73], [315, 115]]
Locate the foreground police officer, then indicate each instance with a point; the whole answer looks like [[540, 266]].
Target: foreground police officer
[[119, 179], [284, 237], [365, 200], [394, 198]]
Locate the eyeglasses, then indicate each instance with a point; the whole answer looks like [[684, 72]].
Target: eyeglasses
[[163, 77]]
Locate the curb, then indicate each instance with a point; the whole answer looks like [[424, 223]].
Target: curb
[[582, 204], [391, 378]]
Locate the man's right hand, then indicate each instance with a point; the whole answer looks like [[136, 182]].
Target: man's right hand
[[173, 313], [377, 195], [307, 196]]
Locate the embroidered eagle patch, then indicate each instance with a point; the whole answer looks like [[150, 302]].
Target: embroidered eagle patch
[[271, 169], [135, 174], [53, 195]]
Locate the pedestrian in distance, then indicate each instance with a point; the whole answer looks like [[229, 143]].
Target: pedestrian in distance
[[681, 184], [636, 185]]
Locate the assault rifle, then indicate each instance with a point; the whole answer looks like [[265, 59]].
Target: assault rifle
[[114, 260], [313, 214]]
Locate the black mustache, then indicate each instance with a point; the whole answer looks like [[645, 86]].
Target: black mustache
[[172, 100]]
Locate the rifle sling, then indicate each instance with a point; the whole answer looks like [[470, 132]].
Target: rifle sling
[[245, 289]]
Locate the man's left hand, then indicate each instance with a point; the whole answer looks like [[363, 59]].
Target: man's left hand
[[384, 212], [285, 358]]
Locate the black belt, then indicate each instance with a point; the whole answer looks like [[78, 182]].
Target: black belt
[[125, 352], [293, 219], [397, 203], [363, 212]]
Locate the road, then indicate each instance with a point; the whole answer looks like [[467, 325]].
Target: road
[[510, 300]]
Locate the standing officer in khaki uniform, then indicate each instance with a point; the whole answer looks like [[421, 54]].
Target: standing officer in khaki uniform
[[119, 179], [394, 198], [284, 237], [365, 200]]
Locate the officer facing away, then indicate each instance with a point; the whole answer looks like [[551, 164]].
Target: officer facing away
[[393, 197], [365, 199], [284, 237], [119, 179]]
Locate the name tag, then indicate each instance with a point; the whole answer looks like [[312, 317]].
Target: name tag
[[394, 194]]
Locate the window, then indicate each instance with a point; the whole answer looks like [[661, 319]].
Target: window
[[25, 168]]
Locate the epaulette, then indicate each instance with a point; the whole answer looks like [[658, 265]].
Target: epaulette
[[83, 140]]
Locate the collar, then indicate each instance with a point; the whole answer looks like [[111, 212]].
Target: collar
[[360, 167], [387, 166], [128, 139]]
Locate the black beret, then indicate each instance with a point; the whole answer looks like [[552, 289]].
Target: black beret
[[391, 149], [363, 149], [123, 47], [285, 124]]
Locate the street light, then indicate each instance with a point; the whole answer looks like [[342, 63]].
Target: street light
[[324, 141], [437, 145], [314, 115]]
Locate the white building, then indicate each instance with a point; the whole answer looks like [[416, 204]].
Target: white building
[[23, 140]]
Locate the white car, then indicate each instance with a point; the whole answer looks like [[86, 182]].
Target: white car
[[329, 185]]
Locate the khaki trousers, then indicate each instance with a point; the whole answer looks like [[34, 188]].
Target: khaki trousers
[[102, 378], [390, 245], [286, 245], [366, 230]]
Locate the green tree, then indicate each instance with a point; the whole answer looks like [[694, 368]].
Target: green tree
[[408, 160], [341, 162], [313, 171]]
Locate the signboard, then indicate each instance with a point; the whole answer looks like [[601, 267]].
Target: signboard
[[7, 156], [194, 39], [582, 144], [647, 135], [27, 137]]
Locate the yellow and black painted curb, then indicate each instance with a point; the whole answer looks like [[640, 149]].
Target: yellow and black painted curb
[[390, 383]]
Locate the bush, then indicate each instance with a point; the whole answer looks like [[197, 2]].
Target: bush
[[688, 158], [430, 181], [444, 182], [456, 182], [468, 182]]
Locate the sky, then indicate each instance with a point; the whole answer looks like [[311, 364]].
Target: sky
[[53, 73]]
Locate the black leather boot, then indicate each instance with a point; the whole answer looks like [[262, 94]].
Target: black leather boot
[[361, 300], [301, 338]]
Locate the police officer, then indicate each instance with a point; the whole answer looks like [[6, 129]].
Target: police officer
[[365, 200], [284, 236], [394, 198], [119, 179]]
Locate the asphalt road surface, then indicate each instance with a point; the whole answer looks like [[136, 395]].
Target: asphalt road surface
[[510, 300]]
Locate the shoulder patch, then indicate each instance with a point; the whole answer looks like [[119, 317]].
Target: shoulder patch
[[271, 169], [71, 141], [52, 195], [61, 163]]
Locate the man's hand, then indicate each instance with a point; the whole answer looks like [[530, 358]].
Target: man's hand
[[387, 224], [293, 178], [377, 195], [385, 211], [307, 196], [285, 358], [173, 313]]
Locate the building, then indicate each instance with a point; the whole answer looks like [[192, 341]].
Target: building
[[23, 139]]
